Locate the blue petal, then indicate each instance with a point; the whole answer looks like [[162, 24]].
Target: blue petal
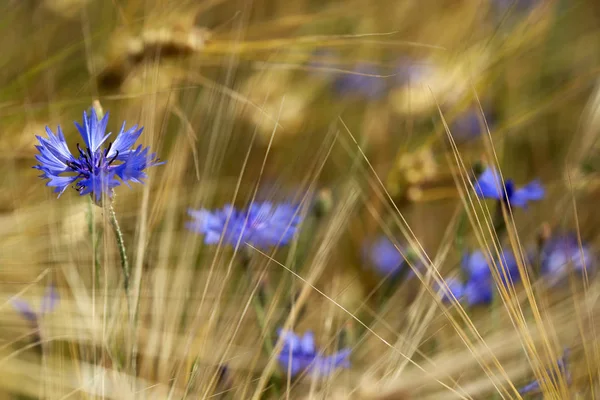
[[325, 365], [531, 192], [98, 184], [479, 292], [476, 265], [291, 341], [487, 185], [124, 142], [60, 182], [384, 256], [133, 166], [93, 130], [452, 287], [23, 308], [307, 343], [49, 300]]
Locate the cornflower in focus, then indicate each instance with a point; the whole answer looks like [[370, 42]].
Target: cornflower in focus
[[96, 169], [261, 225], [562, 254], [299, 354], [489, 186]]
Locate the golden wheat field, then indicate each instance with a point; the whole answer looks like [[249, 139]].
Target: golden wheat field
[[299, 199]]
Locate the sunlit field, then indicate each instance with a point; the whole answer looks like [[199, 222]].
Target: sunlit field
[[271, 199]]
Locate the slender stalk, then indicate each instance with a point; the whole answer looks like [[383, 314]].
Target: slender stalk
[[258, 302], [121, 244]]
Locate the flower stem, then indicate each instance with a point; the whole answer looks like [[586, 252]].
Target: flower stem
[[121, 244]]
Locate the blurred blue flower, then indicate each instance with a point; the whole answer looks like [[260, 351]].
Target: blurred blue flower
[[361, 82], [479, 285], [49, 302], [299, 354], [95, 170], [534, 386], [261, 225], [467, 125], [453, 286], [563, 253], [489, 186], [383, 256]]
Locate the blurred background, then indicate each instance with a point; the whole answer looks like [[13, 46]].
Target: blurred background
[[375, 118]]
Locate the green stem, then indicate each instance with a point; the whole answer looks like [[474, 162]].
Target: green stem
[[121, 244], [258, 302]]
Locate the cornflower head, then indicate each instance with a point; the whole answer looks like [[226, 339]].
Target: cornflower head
[[489, 185], [96, 168], [384, 256], [299, 354], [262, 225], [452, 287], [49, 302], [478, 288], [479, 285], [562, 254]]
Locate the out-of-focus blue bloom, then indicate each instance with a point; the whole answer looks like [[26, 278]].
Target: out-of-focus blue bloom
[[489, 186], [562, 253], [453, 287], [299, 354], [467, 125], [478, 288], [510, 267], [261, 225], [479, 285], [49, 302], [365, 81], [384, 256], [475, 265], [534, 386], [95, 169]]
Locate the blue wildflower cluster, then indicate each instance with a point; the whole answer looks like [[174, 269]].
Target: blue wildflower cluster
[[261, 225], [562, 255], [478, 288], [96, 169], [299, 354]]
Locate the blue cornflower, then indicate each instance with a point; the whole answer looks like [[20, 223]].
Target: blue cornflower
[[534, 386], [453, 287], [478, 288], [96, 169], [299, 354], [261, 225], [49, 302], [383, 256], [563, 253], [362, 82], [479, 285], [489, 186]]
